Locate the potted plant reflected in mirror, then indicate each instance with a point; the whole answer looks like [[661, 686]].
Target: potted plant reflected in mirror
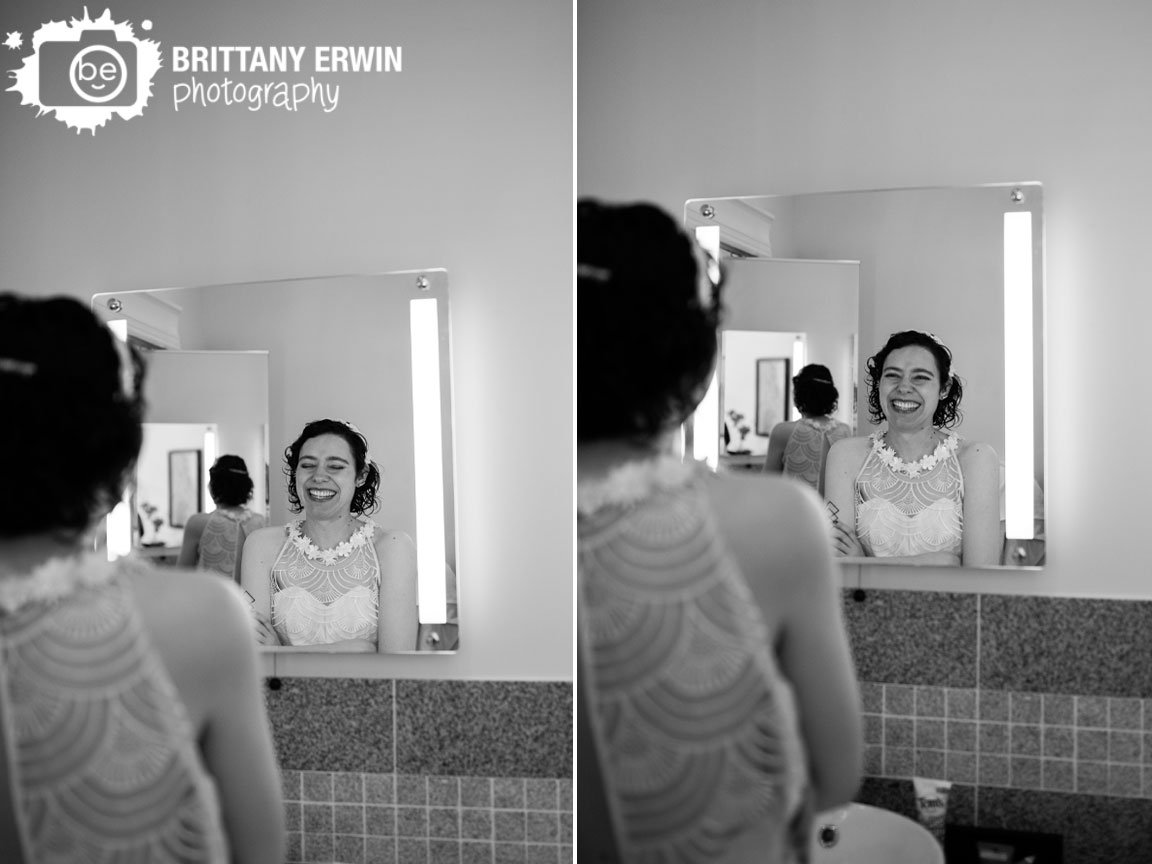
[[737, 422], [157, 522]]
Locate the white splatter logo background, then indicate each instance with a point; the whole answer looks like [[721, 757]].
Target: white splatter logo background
[[87, 71]]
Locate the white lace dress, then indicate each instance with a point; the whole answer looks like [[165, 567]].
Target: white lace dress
[[102, 759], [696, 726], [909, 509], [223, 537], [807, 448], [322, 597]]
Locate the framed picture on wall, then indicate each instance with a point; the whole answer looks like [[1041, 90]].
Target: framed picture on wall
[[773, 385], [185, 475]]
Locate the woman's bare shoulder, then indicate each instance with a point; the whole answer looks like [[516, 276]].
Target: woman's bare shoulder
[[775, 526], [385, 538], [196, 522], [174, 601], [268, 537], [977, 451], [756, 502], [857, 445]]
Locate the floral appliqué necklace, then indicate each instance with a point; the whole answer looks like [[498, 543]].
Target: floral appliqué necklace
[[313, 552], [913, 469], [54, 579], [631, 482]]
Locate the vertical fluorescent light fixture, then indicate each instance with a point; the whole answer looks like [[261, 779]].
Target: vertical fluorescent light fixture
[[799, 360], [1018, 375], [209, 460], [431, 563], [118, 524], [706, 421]]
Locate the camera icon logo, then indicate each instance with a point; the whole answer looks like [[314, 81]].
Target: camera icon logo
[[86, 71], [96, 69]]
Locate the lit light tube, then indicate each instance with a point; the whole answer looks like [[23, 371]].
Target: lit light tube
[[209, 460], [799, 355], [431, 565], [1018, 376], [706, 426], [118, 524], [706, 420]]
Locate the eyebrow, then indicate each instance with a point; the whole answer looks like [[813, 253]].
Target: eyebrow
[[327, 458], [895, 368]]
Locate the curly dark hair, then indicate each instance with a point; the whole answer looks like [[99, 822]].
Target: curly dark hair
[[646, 340], [947, 411], [228, 481], [813, 390], [365, 499], [72, 432]]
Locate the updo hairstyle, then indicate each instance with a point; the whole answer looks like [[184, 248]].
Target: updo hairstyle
[[646, 339], [813, 391], [71, 431], [228, 481]]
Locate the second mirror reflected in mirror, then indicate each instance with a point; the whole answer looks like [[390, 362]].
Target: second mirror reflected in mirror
[[341, 533], [840, 310]]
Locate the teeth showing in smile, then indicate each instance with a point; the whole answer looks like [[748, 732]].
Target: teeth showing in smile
[[321, 494], [904, 405]]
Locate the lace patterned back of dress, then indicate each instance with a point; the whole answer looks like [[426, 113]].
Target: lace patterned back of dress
[[223, 536], [900, 515], [701, 751], [106, 766], [807, 450], [314, 603]]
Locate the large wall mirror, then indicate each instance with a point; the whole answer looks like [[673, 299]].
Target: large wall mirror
[[239, 370], [827, 278]]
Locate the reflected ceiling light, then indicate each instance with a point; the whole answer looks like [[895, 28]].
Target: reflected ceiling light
[[118, 525], [1018, 376], [431, 563]]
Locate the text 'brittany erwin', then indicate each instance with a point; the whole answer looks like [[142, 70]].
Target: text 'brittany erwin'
[[286, 58]]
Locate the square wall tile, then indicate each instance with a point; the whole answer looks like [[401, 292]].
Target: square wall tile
[[1059, 709], [930, 702], [1026, 707]]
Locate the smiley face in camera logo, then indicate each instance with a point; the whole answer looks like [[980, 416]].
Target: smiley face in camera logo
[[88, 71]]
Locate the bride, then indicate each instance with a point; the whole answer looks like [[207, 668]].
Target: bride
[[334, 577], [915, 492]]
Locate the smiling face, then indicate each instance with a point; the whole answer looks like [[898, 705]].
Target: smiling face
[[326, 478], [910, 388]]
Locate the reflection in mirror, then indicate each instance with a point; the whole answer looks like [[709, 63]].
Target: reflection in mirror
[[839, 273], [236, 372]]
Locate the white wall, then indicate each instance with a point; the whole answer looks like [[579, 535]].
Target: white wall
[[818, 298], [461, 161], [740, 351], [681, 100], [152, 485], [228, 390]]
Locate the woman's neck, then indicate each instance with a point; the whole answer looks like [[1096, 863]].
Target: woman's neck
[[327, 533], [595, 459], [19, 555], [912, 445]]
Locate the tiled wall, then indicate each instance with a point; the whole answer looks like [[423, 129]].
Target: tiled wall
[[1038, 709], [425, 772], [406, 819]]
